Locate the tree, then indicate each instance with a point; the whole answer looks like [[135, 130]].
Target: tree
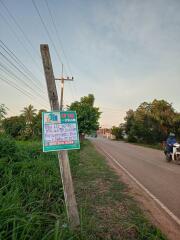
[[163, 113], [37, 124], [18, 127], [151, 122], [29, 113], [88, 99], [14, 126], [176, 126], [129, 120], [117, 132], [87, 114]]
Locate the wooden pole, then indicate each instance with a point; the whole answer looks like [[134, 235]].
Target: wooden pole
[[65, 171]]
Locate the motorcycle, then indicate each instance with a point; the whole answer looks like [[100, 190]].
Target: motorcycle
[[173, 156]]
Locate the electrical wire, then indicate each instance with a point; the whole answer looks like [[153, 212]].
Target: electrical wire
[[13, 56], [48, 34], [19, 70], [12, 84], [16, 85], [28, 73], [19, 27], [46, 29], [60, 43], [19, 62], [12, 75], [57, 35], [22, 44]]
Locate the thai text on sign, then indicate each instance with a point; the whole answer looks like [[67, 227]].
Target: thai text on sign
[[60, 131]]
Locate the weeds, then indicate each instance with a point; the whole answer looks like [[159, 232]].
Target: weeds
[[31, 195], [32, 203]]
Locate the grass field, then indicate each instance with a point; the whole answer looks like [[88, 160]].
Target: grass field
[[32, 205]]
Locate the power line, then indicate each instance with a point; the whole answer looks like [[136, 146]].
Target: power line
[[46, 29], [15, 58], [28, 74], [19, 62], [19, 27], [19, 70], [60, 43], [58, 37], [16, 69], [12, 84], [22, 43], [16, 78], [12, 75]]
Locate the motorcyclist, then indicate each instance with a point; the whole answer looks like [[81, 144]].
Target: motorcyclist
[[171, 140]]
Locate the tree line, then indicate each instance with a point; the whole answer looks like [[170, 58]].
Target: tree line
[[25, 126], [149, 123], [28, 125]]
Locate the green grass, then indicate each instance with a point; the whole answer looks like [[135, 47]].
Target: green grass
[[32, 202], [31, 196]]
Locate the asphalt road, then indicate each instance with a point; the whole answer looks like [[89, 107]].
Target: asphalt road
[[149, 167]]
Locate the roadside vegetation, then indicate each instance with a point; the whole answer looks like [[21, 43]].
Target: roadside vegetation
[[27, 125], [87, 115], [32, 201], [150, 123], [31, 195]]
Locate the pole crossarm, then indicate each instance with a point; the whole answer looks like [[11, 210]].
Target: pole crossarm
[[65, 79]]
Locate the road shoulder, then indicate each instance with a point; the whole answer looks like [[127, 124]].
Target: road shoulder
[[157, 215]]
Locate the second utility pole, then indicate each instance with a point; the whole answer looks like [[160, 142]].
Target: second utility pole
[[62, 79]]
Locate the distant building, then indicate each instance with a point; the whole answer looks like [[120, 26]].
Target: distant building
[[105, 133]]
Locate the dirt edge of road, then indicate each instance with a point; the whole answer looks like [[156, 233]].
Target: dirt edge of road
[[155, 213]]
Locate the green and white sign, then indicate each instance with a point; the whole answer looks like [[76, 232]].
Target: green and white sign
[[60, 131]]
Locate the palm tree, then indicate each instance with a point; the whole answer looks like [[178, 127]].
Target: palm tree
[[29, 113]]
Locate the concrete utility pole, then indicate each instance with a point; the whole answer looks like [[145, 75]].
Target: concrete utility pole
[[62, 79], [65, 171]]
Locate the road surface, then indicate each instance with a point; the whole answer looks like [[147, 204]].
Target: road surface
[[149, 167]]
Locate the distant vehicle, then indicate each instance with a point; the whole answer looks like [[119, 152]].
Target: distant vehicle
[[174, 155]]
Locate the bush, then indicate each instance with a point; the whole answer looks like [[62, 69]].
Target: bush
[[8, 147], [117, 132], [31, 194], [28, 150]]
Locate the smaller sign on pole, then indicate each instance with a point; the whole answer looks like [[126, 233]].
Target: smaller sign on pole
[[60, 131]]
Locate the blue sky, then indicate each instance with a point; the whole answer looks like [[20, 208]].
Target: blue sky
[[124, 52]]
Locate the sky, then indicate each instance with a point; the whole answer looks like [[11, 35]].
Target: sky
[[124, 52]]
